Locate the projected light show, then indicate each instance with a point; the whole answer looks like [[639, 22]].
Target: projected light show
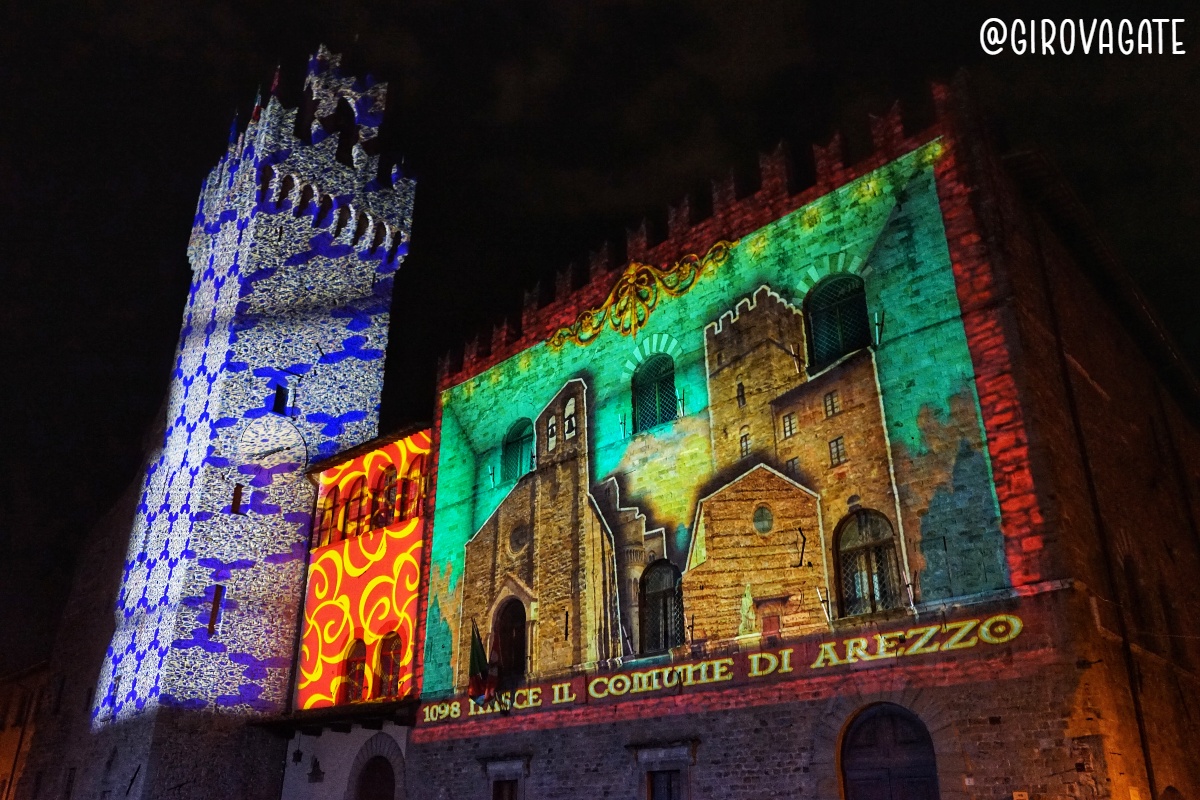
[[363, 577], [667, 468], [719, 447], [280, 361]]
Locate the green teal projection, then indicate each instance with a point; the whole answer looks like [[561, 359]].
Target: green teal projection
[[886, 228]]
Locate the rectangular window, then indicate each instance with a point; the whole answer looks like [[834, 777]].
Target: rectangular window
[[235, 505], [664, 784], [280, 404], [215, 612], [741, 394], [837, 451], [789, 425], [793, 466], [744, 444], [504, 789], [833, 403]]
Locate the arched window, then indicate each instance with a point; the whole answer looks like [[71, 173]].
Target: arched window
[[413, 489], [837, 319], [569, 419], [654, 399], [510, 640], [354, 683], [517, 458], [868, 577], [661, 605], [377, 781], [357, 508], [552, 432], [887, 752], [384, 500], [328, 531], [391, 660]]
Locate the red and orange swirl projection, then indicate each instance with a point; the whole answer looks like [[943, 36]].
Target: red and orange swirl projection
[[363, 587]]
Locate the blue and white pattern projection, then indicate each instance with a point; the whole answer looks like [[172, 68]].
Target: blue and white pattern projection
[[280, 362]]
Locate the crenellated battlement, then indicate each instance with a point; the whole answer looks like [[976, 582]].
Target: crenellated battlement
[[353, 223], [732, 217], [765, 303], [320, 160], [328, 87]]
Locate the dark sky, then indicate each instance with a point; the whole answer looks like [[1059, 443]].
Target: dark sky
[[536, 130]]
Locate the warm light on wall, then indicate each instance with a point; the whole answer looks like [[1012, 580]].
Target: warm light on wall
[[364, 587]]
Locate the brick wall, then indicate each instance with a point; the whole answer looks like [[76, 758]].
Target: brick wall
[[1110, 464]]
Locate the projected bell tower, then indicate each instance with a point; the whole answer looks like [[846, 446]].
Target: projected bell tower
[[295, 242]]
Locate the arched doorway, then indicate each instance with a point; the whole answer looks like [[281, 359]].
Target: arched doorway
[[377, 781], [510, 640], [887, 754], [377, 771]]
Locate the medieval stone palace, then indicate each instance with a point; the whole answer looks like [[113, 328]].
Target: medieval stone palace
[[883, 488]]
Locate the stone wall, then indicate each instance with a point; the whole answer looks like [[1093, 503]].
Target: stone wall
[[1001, 721], [546, 546], [1106, 493]]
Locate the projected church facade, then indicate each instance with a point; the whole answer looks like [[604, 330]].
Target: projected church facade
[[788, 503]]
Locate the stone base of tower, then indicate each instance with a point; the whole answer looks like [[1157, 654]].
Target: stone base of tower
[[198, 756], [161, 753]]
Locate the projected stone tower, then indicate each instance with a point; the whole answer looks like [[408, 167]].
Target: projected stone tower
[[280, 361]]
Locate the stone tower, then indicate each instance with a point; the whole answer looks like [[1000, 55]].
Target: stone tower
[[754, 354], [295, 242]]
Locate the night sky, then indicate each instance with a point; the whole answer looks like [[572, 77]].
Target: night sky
[[535, 130]]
